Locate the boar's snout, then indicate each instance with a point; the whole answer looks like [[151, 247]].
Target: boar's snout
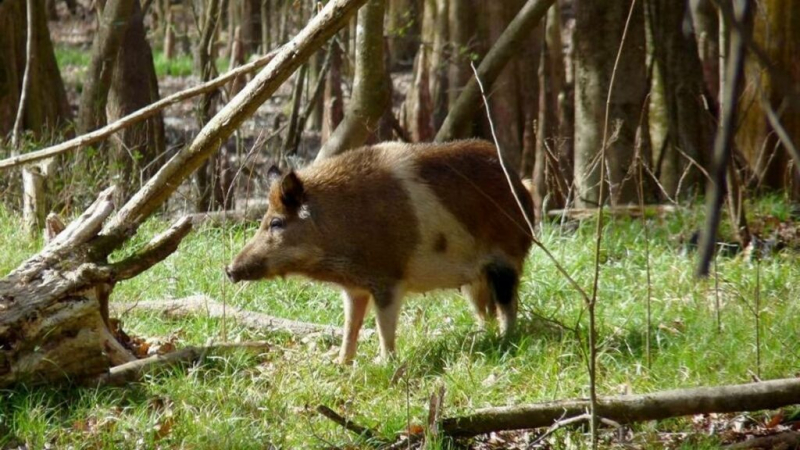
[[231, 274]]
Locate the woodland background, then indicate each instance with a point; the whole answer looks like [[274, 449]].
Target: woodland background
[[649, 108]]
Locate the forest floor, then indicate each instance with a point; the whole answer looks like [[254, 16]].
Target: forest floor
[[702, 335]]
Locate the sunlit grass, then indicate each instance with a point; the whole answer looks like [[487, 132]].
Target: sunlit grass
[[240, 400]]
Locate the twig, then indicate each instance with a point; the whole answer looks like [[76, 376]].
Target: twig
[[26, 77], [723, 140], [346, 423], [136, 116], [134, 370]]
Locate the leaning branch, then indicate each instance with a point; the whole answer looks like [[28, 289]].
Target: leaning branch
[[632, 408], [136, 116], [490, 68]]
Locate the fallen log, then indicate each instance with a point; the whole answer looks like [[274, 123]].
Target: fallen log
[[135, 370], [200, 304], [632, 408], [616, 211], [785, 440], [228, 216]]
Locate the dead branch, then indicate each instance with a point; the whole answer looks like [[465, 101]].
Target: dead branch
[[201, 304], [345, 423], [787, 440], [136, 116], [156, 250], [135, 370], [632, 408]]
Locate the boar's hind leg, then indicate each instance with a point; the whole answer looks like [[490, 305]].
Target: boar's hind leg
[[503, 281], [356, 303], [387, 308], [480, 295]]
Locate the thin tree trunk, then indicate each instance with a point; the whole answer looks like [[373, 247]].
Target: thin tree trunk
[[370, 95], [205, 178], [333, 111]]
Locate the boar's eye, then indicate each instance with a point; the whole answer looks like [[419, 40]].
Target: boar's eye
[[276, 223]]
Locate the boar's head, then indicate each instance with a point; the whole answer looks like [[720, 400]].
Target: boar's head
[[287, 240]]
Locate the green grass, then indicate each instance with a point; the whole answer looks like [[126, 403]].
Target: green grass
[[244, 400], [179, 66]]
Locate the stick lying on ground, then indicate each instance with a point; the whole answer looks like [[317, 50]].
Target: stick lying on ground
[[201, 304], [134, 370], [632, 408]]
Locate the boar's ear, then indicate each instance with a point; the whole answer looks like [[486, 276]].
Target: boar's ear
[[273, 174], [291, 190]]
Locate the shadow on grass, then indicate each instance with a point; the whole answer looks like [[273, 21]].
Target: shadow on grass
[[434, 355]]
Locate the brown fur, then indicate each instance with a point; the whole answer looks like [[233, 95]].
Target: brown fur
[[384, 220]]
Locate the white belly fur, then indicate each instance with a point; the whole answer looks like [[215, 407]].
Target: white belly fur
[[428, 269]]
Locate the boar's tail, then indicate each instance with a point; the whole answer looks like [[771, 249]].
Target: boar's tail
[[503, 281]]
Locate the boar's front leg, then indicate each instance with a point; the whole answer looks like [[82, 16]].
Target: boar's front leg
[[387, 305], [356, 303]]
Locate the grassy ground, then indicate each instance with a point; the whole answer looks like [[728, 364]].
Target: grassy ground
[[243, 400]]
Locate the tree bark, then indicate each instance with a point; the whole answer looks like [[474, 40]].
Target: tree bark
[[458, 123], [632, 408], [51, 326], [46, 107], [598, 33], [206, 178], [370, 95], [689, 126], [706, 30], [333, 111], [114, 22], [134, 86], [776, 29]]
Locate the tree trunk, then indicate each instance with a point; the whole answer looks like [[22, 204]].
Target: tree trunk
[[206, 179], [114, 22], [134, 86], [547, 176], [402, 29], [598, 33], [439, 66], [370, 95], [689, 127], [51, 326], [46, 108], [776, 30], [706, 30], [333, 111]]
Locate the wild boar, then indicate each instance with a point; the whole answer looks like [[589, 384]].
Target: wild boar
[[394, 218]]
